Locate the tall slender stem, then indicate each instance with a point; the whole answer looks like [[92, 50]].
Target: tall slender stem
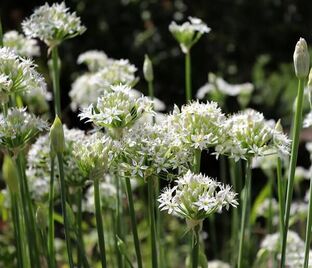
[[63, 202], [195, 246], [281, 196], [99, 221], [151, 206], [56, 81], [188, 81], [118, 220], [51, 218], [308, 229], [197, 160], [293, 163], [1, 34], [246, 198], [133, 223], [79, 227]]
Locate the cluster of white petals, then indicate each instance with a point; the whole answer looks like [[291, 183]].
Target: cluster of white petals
[[94, 59], [294, 248], [307, 122], [53, 24], [189, 32], [17, 75], [23, 46], [117, 108], [151, 150], [249, 135], [39, 164], [195, 197], [198, 125], [18, 128]]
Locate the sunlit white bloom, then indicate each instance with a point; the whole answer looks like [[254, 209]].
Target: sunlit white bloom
[[189, 32], [22, 45], [39, 164], [217, 85], [117, 108], [307, 122], [218, 264], [19, 128], [94, 59], [198, 125], [195, 197], [53, 24], [294, 249], [17, 75], [250, 135]]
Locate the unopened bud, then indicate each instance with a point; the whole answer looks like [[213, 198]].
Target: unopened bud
[[278, 126], [301, 59], [10, 174], [57, 139], [148, 69], [310, 80], [42, 217]]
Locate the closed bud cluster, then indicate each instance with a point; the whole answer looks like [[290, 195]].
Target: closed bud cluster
[[57, 139], [301, 59]]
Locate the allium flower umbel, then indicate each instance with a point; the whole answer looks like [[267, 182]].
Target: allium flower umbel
[[22, 45], [18, 128], [53, 24], [199, 125], [117, 108], [189, 32], [248, 134], [17, 75], [195, 196], [94, 59], [92, 155]]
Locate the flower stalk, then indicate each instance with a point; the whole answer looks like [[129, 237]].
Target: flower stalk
[[188, 81], [56, 81], [51, 252], [195, 246]]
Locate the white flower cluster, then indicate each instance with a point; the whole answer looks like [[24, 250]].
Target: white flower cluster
[[53, 24], [189, 32], [103, 73], [17, 75], [217, 85], [198, 125], [151, 150], [23, 46], [294, 248], [93, 155], [117, 108], [195, 197], [307, 122], [39, 165], [218, 264], [18, 128], [249, 135]]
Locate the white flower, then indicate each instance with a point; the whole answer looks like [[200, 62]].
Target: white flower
[[218, 264], [53, 24], [307, 122], [17, 75], [195, 197], [94, 59], [189, 32], [248, 134], [117, 108], [22, 45]]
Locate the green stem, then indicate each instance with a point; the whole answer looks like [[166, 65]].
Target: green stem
[[1, 34], [188, 83], [293, 163], [56, 81], [270, 216], [197, 158], [308, 229], [245, 199], [79, 229], [63, 202], [28, 213], [118, 220], [133, 223], [51, 219], [113, 220], [5, 109], [281, 196], [151, 206], [151, 94], [99, 221], [195, 247]]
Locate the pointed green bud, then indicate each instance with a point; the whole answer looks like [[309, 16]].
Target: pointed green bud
[[9, 173], [148, 69], [57, 139], [42, 217], [278, 126], [301, 59], [310, 80]]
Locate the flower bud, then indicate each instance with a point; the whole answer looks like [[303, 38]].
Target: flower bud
[[42, 217], [148, 69], [10, 174], [278, 126], [301, 59], [310, 80], [57, 139]]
